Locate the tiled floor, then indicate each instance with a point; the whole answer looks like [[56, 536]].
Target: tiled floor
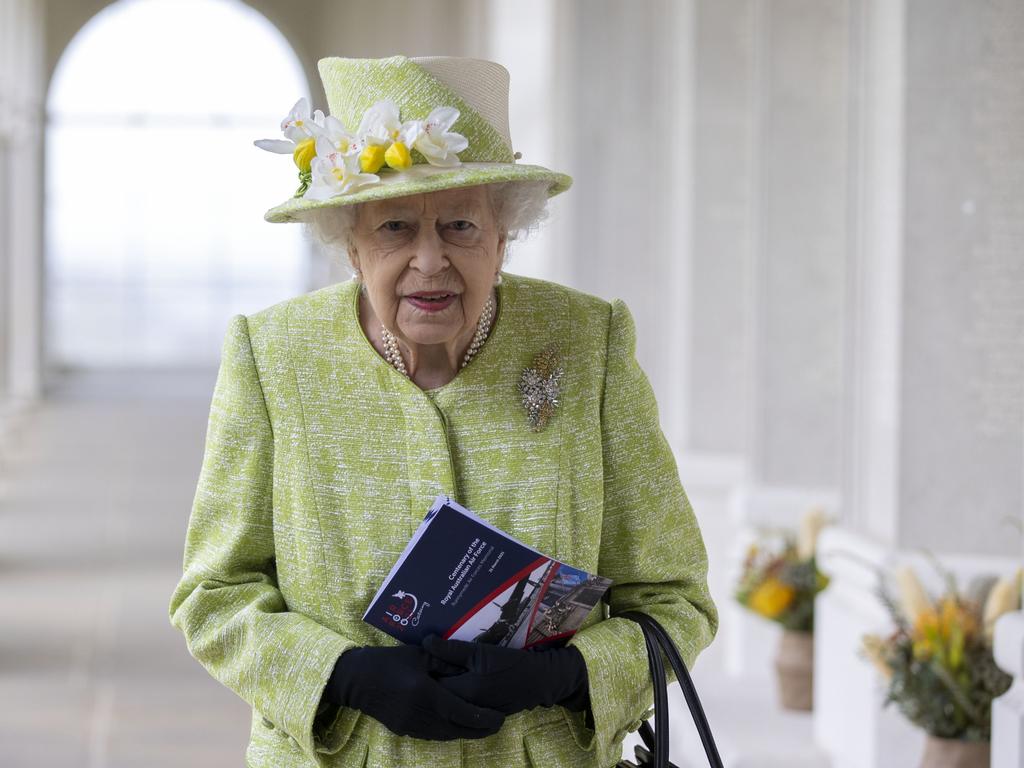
[[97, 485]]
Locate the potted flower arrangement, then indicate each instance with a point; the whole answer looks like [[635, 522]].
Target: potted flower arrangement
[[938, 662], [779, 581]]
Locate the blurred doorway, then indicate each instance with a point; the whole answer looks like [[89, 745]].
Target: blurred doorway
[[154, 190]]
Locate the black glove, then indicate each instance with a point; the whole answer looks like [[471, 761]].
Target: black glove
[[512, 679], [397, 685]]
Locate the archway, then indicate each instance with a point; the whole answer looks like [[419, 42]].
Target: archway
[[154, 190]]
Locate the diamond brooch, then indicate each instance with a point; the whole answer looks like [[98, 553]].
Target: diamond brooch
[[540, 385]]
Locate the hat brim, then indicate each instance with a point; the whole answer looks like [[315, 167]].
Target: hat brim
[[423, 178]]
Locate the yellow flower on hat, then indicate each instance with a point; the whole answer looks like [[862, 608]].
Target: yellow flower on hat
[[301, 130], [304, 153], [381, 127], [371, 158], [334, 161], [432, 137], [397, 156]]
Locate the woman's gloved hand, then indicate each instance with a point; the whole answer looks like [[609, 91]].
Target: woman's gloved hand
[[398, 686], [511, 679]]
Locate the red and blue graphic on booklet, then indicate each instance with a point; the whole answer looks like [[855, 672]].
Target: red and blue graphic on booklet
[[461, 577]]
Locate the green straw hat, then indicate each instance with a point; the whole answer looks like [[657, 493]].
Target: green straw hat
[[401, 126]]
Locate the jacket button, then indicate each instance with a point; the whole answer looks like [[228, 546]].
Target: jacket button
[[267, 723]]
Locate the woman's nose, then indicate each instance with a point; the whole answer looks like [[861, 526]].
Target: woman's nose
[[430, 257]]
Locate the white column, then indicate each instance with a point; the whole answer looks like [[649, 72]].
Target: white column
[[1008, 709], [801, 236], [624, 132], [937, 321], [792, 440], [725, 167], [963, 281], [23, 290], [7, 68], [875, 274], [522, 37]]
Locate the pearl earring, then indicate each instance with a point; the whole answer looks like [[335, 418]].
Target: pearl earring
[[497, 279], [357, 276]]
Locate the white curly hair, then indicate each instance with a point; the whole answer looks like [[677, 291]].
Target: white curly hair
[[520, 207]]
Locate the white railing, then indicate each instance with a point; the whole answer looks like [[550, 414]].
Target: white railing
[[1008, 709]]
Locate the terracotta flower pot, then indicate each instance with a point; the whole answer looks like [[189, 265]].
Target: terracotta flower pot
[[794, 668], [955, 753]]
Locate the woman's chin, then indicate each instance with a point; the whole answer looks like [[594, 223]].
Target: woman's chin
[[430, 331], [431, 327]]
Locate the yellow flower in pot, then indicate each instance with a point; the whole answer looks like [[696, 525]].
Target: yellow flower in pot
[[771, 597], [779, 581], [938, 662]]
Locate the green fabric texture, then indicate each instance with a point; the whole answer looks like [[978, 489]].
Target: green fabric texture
[[321, 460], [354, 85]]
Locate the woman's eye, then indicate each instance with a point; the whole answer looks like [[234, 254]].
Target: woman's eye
[[461, 225], [394, 226]]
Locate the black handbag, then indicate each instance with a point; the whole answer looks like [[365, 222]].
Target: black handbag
[[656, 740]]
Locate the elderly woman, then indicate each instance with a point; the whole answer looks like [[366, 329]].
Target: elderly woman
[[339, 415]]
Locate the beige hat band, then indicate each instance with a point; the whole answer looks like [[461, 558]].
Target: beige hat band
[[483, 85]]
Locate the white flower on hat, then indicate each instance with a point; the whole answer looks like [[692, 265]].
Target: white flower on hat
[[436, 142], [340, 137], [297, 126], [335, 173], [334, 161], [301, 130], [380, 125]]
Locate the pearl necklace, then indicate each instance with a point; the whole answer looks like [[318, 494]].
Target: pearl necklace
[[483, 327]]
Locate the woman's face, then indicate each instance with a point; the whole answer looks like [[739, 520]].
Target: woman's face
[[443, 242]]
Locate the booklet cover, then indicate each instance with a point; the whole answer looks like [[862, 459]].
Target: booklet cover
[[461, 577]]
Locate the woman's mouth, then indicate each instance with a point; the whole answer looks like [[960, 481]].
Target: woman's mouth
[[432, 301]]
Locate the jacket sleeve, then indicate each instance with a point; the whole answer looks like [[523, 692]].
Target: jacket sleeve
[[227, 603], [651, 547]]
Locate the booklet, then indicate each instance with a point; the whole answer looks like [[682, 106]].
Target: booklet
[[461, 577]]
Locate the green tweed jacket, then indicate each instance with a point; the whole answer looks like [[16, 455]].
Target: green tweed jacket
[[320, 462]]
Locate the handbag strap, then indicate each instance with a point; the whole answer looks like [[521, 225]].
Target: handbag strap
[[657, 670], [657, 638], [689, 693]]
